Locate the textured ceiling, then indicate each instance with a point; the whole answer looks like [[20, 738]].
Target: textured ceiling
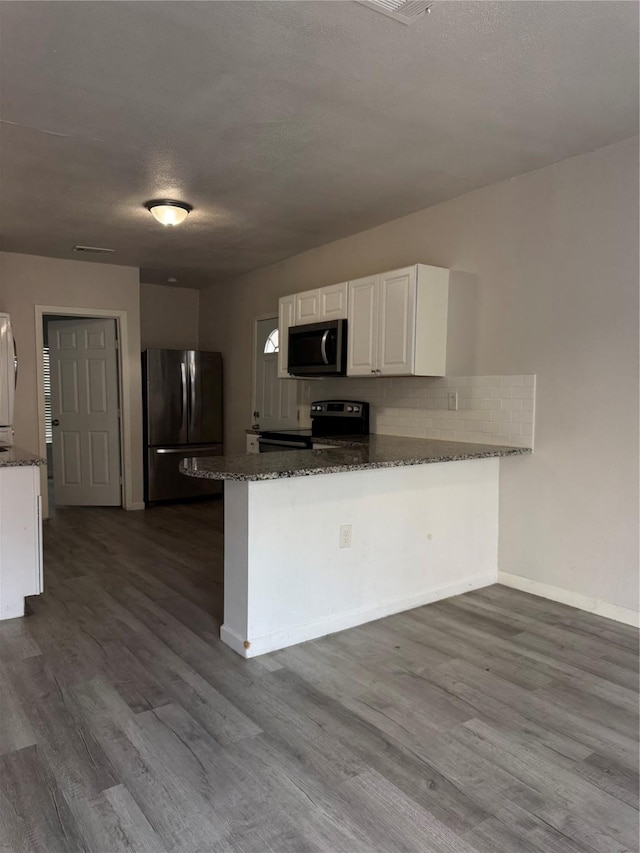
[[286, 124]]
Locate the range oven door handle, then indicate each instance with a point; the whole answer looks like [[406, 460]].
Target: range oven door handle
[[323, 346], [279, 443]]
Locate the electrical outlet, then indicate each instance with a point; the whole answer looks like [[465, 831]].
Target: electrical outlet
[[344, 537], [453, 401]]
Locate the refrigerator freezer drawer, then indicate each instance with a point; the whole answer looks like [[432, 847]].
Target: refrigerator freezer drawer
[[165, 482]]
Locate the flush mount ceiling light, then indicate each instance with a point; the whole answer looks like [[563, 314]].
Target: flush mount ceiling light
[[167, 211], [404, 11]]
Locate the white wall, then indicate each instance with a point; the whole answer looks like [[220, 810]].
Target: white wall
[[168, 317], [555, 253], [27, 281]]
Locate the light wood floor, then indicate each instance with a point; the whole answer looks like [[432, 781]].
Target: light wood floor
[[493, 722]]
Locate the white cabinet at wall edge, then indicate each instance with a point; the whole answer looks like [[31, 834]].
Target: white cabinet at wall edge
[[311, 306], [398, 323], [20, 538]]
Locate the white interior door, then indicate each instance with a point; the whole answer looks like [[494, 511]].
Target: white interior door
[[84, 411], [276, 400]]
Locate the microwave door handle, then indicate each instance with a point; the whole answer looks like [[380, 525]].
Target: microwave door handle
[[323, 347]]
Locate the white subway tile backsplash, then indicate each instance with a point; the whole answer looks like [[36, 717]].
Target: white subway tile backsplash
[[491, 409], [523, 392], [505, 416], [515, 405]]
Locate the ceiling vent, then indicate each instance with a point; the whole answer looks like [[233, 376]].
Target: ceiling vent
[[404, 11], [93, 250]]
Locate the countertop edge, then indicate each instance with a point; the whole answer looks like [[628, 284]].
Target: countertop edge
[[15, 457], [357, 466]]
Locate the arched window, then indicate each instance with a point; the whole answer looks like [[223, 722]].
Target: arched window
[[272, 342]]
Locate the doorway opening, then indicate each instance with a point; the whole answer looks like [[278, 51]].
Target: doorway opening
[[275, 401]]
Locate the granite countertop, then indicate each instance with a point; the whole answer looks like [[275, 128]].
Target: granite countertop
[[353, 454], [14, 457]]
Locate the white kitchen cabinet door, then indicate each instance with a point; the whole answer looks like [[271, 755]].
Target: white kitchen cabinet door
[[307, 307], [20, 538], [286, 318], [431, 321], [397, 322], [362, 333], [333, 301]]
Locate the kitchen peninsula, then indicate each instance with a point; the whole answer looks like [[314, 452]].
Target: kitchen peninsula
[[20, 530], [398, 523]]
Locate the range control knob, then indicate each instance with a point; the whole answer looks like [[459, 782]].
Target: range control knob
[[349, 408], [356, 408]]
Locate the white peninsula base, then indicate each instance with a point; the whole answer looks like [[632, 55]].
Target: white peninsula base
[[419, 533]]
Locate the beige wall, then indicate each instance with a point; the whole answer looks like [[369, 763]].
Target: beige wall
[[27, 281], [555, 253], [168, 317]]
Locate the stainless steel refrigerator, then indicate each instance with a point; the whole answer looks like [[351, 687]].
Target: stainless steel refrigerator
[[182, 395]]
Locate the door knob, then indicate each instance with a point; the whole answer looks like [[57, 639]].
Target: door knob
[[55, 422]]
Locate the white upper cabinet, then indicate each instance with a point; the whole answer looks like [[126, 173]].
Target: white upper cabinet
[[323, 303], [333, 302], [362, 332], [398, 323], [307, 306], [286, 318]]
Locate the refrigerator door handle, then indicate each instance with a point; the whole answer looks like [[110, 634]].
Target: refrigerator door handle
[[183, 397], [15, 364], [192, 392]]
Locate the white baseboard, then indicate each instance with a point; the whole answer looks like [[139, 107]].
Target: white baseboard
[[13, 610], [235, 642], [135, 506], [342, 621], [573, 599]]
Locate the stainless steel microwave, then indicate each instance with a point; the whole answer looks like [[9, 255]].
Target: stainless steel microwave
[[318, 349]]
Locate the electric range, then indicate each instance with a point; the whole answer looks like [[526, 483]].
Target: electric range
[[328, 418]]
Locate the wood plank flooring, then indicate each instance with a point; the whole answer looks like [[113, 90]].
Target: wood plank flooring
[[494, 722]]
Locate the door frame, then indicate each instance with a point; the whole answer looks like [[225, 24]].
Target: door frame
[[254, 352], [124, 382]]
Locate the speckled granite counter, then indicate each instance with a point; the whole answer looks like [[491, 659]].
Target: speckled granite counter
[[14, 457], [354, 454]]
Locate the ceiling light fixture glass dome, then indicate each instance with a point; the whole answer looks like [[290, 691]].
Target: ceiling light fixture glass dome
[[169, 212]]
